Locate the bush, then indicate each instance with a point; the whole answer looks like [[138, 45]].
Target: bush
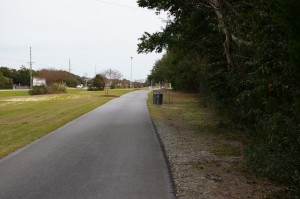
[[38, 90], [277, 154], [72, 82], [91, 88], [56, 89], [52, 89], [112, 86]]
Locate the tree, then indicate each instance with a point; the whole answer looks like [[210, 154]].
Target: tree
[[53, 75], [98, 83], [5, 83], [246, 54], [6, 72], [22, 76], [59, 76], [112, 76]]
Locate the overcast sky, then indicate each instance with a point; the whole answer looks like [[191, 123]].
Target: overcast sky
[[92, 33]]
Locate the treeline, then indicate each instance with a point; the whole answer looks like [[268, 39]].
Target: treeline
[[8, 77], [21, 77], [60, 76], [111, 78], [245, 56]]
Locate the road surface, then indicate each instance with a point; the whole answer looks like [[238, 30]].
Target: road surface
[[110, 152]]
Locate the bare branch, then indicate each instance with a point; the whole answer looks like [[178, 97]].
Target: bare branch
[[240, 41]]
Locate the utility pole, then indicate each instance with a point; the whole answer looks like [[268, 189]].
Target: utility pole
[[86, 79], [69, 65], [30, 63], [131, 86]]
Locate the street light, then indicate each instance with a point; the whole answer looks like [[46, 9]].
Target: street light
[[30, 70], [131, 86]]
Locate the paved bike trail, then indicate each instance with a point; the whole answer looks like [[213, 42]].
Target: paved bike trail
[[111, 152]]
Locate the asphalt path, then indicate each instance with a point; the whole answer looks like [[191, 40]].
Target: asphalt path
[[110, 152]]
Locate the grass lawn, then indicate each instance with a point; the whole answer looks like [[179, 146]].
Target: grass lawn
[[185, 110], [24, 118], [189, 113], [10, 93]]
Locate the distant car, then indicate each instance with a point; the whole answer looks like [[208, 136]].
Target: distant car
[[79, 86]]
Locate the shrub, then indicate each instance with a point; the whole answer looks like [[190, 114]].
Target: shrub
[[56, 89], [72, 82], [91, 88], [38, 90], [52, 89], [112, 86]]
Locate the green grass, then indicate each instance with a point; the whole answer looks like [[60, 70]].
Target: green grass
[[185, 111], [11, 93], [24, 121], [188, 114]]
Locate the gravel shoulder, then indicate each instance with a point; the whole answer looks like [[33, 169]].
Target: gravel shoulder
[[205, 160]]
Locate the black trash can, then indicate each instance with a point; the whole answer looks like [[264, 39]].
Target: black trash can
[[157, 97]]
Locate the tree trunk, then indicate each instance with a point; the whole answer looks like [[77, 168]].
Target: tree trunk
[[217, 7]]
